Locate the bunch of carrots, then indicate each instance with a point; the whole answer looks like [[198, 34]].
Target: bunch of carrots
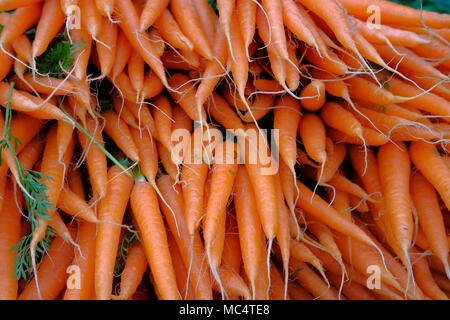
[[94, 204]]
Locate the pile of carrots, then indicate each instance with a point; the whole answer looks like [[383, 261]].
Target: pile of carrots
[[352, 111]]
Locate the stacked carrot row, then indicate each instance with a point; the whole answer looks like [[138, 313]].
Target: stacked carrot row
[[116, 182]]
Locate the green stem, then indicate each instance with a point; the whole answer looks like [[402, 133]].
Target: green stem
[[109, 155]]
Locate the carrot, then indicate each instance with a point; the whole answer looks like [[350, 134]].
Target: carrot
[[347, 123], [118, 130], [10, 230], [21, 20], [313, 95], [189, 22], [393, 13], [332, 64], [150, 13], [133, 271], [136, 67], [321, 211], [219, 109], [300, 23], [107, 46], [53, 171], [386, 34], [166, 160], [184, 286], [311, 281], [123, 53], [111, 208], [430, 216], [224, 172], [342, 183], [361, 257], [334, 161], [171, 32], [124, 112], [246, 13], [91, 18], [185, 97], [208, 18], [85, 261], [428, 102], [95, 158], [163, 120], [127, 12], [350, 288], [74, 205], [194, 176], [249, 225], [52, 273], [286, 119], [432, 166], [424, 277], [193, 260], [45, 85], [394, 169], [312, 133], [144, 204]]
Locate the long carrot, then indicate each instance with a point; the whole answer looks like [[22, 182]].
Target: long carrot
[[111, 208], [145, 207]]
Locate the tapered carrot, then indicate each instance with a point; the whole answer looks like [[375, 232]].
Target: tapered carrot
[[311, 281], [246, 12], [432, 166], [193, 260], [224, 172], [286, 119], [118, 130], [430, 216], [21, 20], [184, 286], [171, 32], [54, 171], [249, 225], [144, 204], [312, 133], [127, 12], [185, 97], [123, 53], [232, 255], [134, 270], [394, 169], [189, 22], [163, 120], [95, 158], [111, 208], [393, 13], [342, 183], [52, 272], [10, 230], [214, 68], [150, 13], [107, 46], [194, 176], [219, 109], [350, 288]]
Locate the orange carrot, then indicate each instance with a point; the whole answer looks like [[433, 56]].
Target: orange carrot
[[111, 208]]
